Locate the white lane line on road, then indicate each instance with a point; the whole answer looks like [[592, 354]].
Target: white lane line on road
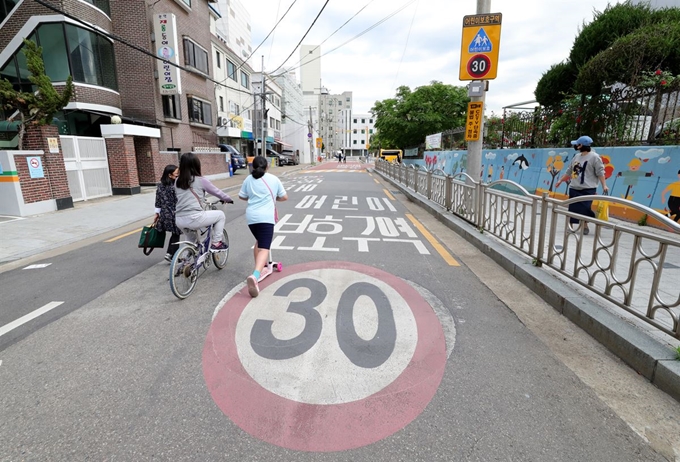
[[40, 265], [32, 315]]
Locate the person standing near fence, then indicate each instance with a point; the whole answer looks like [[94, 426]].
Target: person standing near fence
[[585, 172]]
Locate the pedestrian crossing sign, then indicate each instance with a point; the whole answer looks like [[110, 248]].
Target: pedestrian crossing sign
[[481, 43], [479, 46]]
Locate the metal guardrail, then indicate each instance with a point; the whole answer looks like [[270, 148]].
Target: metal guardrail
[[635, 268]]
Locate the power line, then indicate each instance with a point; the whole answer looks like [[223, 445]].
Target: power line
[[406, 44], [303, 37], [133, 46]]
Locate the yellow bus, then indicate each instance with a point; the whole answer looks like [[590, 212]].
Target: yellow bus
[[391, 155]]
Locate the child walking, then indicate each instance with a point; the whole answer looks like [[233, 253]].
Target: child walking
[[261, 190], [166, 200]]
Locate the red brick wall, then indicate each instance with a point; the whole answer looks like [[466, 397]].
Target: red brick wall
[[32, 189], [35, 139], [148, 160], [213, 163], [122, 162]]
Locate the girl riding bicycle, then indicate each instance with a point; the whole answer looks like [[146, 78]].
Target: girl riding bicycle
[[190, 188]]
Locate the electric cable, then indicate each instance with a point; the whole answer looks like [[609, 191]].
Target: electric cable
[[406, 44], [303, 37]]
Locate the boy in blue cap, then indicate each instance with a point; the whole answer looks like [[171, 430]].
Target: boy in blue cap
[[585, 172]]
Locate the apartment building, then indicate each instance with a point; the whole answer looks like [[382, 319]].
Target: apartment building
[[294, 118], [363, 126]]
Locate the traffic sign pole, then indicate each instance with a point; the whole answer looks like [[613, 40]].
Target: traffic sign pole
[[474, 159]]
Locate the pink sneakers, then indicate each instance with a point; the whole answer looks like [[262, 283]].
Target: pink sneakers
[[266, 271], [253, 288]]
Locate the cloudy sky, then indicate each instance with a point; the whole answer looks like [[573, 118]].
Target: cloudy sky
[[413, 42]]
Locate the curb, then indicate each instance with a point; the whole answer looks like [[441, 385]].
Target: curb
[[645, 355]]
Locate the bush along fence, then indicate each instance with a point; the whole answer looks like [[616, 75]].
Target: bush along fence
[[630, 266]]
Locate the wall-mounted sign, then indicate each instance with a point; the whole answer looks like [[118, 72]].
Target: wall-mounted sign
[[474, 120], [165, 31], [53, 144], [35, 167], [433, 141]]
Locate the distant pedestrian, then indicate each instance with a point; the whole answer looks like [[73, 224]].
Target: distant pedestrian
[[261, 190], [585, 172], [344, 158], [166, 200], [190, 188]]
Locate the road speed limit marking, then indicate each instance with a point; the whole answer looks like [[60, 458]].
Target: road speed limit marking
[[329, 356]]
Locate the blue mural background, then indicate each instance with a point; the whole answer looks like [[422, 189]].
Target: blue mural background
[[640, 173]]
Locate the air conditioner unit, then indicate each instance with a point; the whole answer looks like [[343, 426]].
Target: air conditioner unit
[[219, 121]]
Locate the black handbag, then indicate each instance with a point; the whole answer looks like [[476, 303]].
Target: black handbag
[[150, 239]]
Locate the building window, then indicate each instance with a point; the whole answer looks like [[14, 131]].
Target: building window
[[218, 59], [354, 131], [271, 123], [363, 131], [171, 107], [363, 121], [370, 130], [231, 70], [362, 142], [195, 56], [199, 111], [187, 3], [354, 142], [221, 103], [370, 121], [6, 7], [234, 108], [355, 120], [102, 5], [67, 50], [245, 80]]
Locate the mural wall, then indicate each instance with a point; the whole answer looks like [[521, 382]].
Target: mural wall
[[647, 175]]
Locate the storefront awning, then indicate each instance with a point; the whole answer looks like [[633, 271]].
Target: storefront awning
[[284, 144]]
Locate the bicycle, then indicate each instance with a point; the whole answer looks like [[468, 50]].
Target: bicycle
[[193, 255]]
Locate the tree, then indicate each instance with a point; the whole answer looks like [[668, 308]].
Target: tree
[[39, 107], [405, 121], [619, 44]]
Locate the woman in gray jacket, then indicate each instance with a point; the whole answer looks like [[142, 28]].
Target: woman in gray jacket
[[190, 188]]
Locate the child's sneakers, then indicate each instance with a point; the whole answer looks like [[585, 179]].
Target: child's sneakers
[[253, 288], [219, 247], [266, 271]]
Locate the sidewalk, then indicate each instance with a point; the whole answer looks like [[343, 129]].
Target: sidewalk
[[645, 349], [21, 238]]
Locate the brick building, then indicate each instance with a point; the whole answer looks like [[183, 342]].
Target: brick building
[[109, 47]]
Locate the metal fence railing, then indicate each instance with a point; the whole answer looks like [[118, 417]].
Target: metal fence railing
[[635, 268]]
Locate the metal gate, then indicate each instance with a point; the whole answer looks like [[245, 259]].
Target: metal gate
[[87, 167]]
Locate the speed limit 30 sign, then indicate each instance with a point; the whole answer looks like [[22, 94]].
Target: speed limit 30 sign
[[329, 357], [479, 47]]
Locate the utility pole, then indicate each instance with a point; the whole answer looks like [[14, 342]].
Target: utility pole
[[262, 113], [474, 160], [311, 138]]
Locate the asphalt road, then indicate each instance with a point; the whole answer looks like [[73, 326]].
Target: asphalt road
[[375, 343]]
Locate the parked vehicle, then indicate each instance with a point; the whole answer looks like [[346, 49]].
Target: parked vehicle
[[273, 154], [288, 158], [237, 160]]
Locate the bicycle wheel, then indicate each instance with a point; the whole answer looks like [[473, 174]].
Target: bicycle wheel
[[183, 272], [220, 258]]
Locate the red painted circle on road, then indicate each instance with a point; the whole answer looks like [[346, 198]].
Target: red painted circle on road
[[323, 427]]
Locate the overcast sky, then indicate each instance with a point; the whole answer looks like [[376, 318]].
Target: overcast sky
[[418, 44]]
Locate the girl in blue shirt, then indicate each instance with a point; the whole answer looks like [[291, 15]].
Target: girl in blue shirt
[[261, 190]]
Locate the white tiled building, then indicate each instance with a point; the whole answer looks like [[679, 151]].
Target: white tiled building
[[362, 127]]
